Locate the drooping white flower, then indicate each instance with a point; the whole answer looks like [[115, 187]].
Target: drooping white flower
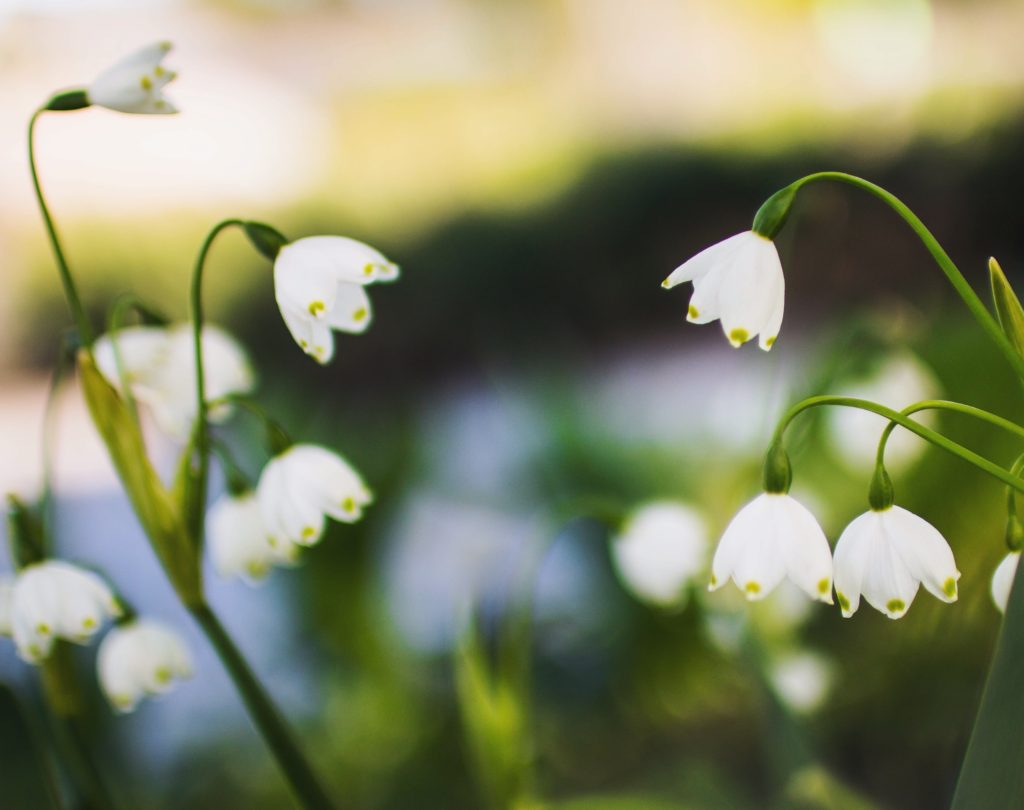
[[138, 659], [1002, 580], [771, 538], [159, 366], [136, 83], [901, 380], [801, 680], [318, 283], [302, 487], [885, 555], [663, 546], [239, 541], [54, 599], [738, 281]]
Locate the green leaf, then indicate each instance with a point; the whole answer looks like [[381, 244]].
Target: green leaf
[[28, 777], [1008, 307], [992, 777]]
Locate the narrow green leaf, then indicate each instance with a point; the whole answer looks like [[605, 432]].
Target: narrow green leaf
[[992, 777], [28, 776], [1008, 307]]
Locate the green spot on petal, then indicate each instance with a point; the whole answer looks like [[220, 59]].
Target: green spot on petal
[[737, 337], [359, 314], [146, 83], [752, 587], [769, 343], [949, 587], [844, 602], [162, 676], [692, 312], [823, 586], [316, 307], [714, 581], [349, 505], [308, 532], [895, 605]]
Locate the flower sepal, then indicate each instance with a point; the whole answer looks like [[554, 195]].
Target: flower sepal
[[268, 241], [67, 101], [772, 215]]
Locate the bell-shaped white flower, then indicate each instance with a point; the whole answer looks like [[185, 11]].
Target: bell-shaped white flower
[[318, 283], [1002, 580], [54, 599], [159, 366], [239, 541], [662, 548], [738, 281], [136, 83], [141, 658], [884, 555], [771, 538], [302, 487]]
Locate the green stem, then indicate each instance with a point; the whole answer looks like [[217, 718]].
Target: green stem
[[202, 436], [264, 713], [70, 291], [927, 434], [278, 439], [988, 323]]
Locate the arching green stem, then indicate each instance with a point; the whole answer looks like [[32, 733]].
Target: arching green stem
[[988, 323], [70, 290], [277, 437], [927, 434]]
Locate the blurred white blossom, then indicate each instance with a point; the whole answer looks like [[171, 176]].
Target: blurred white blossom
[[239, 541], [1002, 580], [802, 680], [136, 83], [141, 658]]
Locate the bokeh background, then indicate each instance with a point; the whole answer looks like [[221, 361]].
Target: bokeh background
[[536, 167]]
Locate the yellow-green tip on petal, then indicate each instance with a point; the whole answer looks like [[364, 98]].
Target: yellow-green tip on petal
[[737, 337]]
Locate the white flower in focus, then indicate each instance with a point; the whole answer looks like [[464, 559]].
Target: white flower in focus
[[885, 555], [136, 83], [318, 283], [900, 381], [54, 599], [302, 487], [159, 366], [801, 680], [738, 281], [138, 659], [1002, 580], [239, 541], [661, 549], [771, 538]]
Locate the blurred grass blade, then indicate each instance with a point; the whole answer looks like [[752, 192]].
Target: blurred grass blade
[[28, 780], [814, 788], [1008, 307], [992, 777]]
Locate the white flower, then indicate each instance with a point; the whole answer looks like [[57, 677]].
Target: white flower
[[318, 283], [661, 549], [1002, 580], [159, 366], [54, 599], [740, 282], [772, 537], [900, 381], [801, 680], [141, 658], [303, 486], [239, 541], [6, 594], [885, 555], [136, 83]]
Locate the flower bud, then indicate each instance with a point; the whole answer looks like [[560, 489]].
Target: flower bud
[[265, 239], [68, 100], [772, 215]]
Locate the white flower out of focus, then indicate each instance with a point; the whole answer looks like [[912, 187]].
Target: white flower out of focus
[[661, 549], [54, 599], [6, 594], [239, 541], [136, 83], [738, 281], [801, 680], [771, 538], [885, 555], [1002, 580], [138, 659], [900, 381], [159, 366], [299, 489], [319, 286]]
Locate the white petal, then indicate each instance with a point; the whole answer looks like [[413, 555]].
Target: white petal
[[750, 289], [704, 304], [135, 84], [342, 258], [351, 311], [770, 331], [851, 559], [804, 547], [888, 584], [750, 547], [1002, 580], [924, 551], [705, 262]]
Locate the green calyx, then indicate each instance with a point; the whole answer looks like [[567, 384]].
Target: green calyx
[[24, 533], [67, 101], [264, 238], [771, 216], [880, 493], [778, 475], [1014, 533]]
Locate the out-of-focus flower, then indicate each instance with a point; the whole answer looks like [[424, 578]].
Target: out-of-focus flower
[[772, 537], [159, 367], [239, 541], [54, 599], [900, 381], [885, 555], [138, 659], [318, 283], [1002, 580], [6, 595], [662, 547], [738, 281], [801, 680], [136, 83], [302, 487]]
